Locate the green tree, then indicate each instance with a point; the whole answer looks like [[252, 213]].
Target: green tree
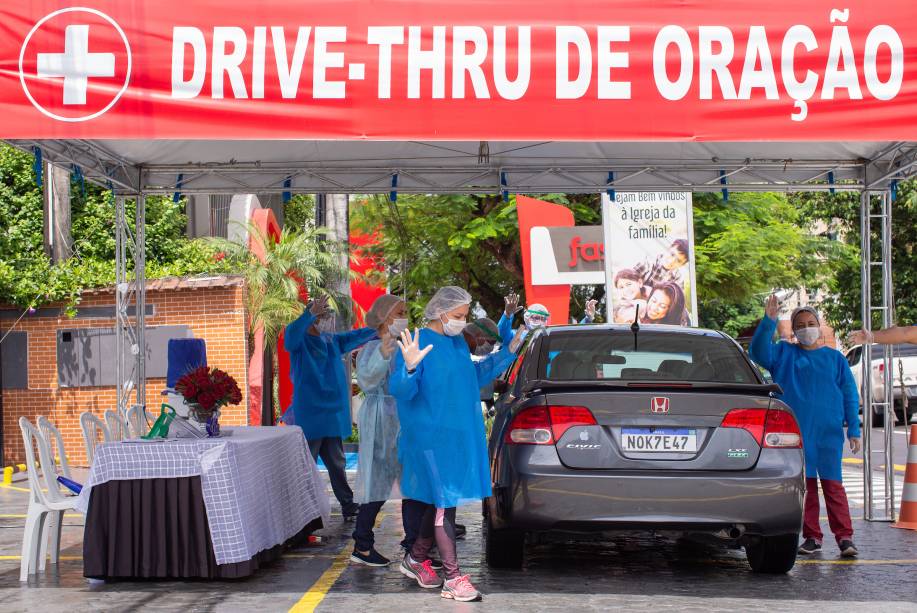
[[27, 276], [841, 212]]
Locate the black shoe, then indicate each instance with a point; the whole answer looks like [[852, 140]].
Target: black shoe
[[460, 531], [810, 546], [373, 558], [848, 549]]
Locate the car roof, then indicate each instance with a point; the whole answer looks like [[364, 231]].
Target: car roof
[[656, 328]]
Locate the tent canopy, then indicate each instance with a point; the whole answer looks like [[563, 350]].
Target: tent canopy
[[339, 166]]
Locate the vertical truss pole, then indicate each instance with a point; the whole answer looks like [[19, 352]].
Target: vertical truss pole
[[888, 320], [866, 356], [140, 278], [121, 298]]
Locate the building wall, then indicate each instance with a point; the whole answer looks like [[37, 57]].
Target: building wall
[[216, 314]]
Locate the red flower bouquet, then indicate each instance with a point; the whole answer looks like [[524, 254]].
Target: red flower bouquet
[[206, 390]]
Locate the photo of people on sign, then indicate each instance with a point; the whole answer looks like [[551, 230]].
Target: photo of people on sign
[[649, 258]]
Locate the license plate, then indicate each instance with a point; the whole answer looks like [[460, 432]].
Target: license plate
[[659, 440]]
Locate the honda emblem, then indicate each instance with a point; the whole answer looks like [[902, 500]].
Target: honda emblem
[[659, 404]]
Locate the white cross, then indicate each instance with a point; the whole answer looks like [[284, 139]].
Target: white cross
[[76, 64]]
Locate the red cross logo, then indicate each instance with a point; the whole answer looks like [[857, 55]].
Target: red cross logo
[[75, 64]]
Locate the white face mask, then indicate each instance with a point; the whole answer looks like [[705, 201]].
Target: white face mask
[[398, 326], [453, 327], [808, 336], [325, 324]]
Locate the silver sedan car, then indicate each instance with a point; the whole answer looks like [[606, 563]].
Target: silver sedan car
[[604, 429]]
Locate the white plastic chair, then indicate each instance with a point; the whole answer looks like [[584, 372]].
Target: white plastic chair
[[46, 507], [55, 444], [117, 427], [137, 421], [92, 426]]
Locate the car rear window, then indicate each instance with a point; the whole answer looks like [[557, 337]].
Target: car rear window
[[611, 355]]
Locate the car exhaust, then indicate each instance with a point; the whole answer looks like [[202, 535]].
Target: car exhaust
[[731, 533]]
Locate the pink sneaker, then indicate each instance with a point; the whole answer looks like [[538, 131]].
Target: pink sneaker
[[460, 589], [424, 574]]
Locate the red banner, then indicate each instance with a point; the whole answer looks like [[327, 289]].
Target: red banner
[[471, 70]]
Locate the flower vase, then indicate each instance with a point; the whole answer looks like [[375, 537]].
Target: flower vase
[[199, 417], [213, 424]]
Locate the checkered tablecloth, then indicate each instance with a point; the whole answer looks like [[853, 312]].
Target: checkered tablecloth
[[260, 485]]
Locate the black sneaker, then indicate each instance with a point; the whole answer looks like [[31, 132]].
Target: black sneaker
[[848, 549], [460, 531], [373, 558], [810, 546]]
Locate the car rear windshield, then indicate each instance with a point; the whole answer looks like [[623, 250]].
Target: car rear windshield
[[658, 356]]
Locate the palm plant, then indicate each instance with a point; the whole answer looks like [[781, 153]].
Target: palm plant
[[274, 269]]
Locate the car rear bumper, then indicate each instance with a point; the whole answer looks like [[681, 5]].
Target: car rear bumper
[[535, 492]]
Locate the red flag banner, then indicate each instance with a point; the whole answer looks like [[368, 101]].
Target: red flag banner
[[470, 70]]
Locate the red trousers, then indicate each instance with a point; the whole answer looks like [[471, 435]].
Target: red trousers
[[838, 510]]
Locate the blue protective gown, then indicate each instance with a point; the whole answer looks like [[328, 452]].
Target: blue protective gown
[[321, 391], [378, 469], [442, 445], [819, 387]]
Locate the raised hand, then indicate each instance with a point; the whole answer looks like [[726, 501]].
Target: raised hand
[[387, 348], [590, 308], [319, 306], [512, 304], [860, 337], [410, 349], [772, 307]]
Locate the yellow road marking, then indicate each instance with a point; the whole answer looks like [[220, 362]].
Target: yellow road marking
[[13, 487], [312, 598], [856, 562], [317, 592], [898, 467]]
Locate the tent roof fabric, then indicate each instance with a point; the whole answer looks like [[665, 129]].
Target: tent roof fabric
[[272, 166]]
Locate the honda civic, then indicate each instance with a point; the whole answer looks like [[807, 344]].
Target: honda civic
[[669, 429]]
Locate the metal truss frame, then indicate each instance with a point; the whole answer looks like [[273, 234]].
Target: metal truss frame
[[873, 178]]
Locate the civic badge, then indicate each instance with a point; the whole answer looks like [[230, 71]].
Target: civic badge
[[659, 404]]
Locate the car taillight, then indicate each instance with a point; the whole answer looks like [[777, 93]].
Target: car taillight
[[769, 427], [546, 425], [751, 420], [781, 430]]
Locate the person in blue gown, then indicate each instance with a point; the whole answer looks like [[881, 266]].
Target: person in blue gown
[[819, 387], [321, 390], [442, 445]]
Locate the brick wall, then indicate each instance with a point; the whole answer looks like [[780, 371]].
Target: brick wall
[[216, 314]]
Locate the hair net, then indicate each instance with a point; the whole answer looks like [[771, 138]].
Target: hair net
[[380, 310], [804, 309], [444, 300], [485, 329]]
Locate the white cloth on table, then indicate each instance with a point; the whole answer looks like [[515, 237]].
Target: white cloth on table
[[260, 484]]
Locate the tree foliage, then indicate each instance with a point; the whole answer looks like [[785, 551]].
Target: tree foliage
[[841, 211], [27, 276]]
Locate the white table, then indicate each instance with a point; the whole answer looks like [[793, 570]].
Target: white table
[[260, 484]]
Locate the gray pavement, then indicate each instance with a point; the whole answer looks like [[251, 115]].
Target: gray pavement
[[634, 573]]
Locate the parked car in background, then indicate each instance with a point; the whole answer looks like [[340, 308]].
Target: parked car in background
[[904, 358], [601, 430]]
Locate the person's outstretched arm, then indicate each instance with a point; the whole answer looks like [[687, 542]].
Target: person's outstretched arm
[[889, 336], [405, 380], [353, 339]]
